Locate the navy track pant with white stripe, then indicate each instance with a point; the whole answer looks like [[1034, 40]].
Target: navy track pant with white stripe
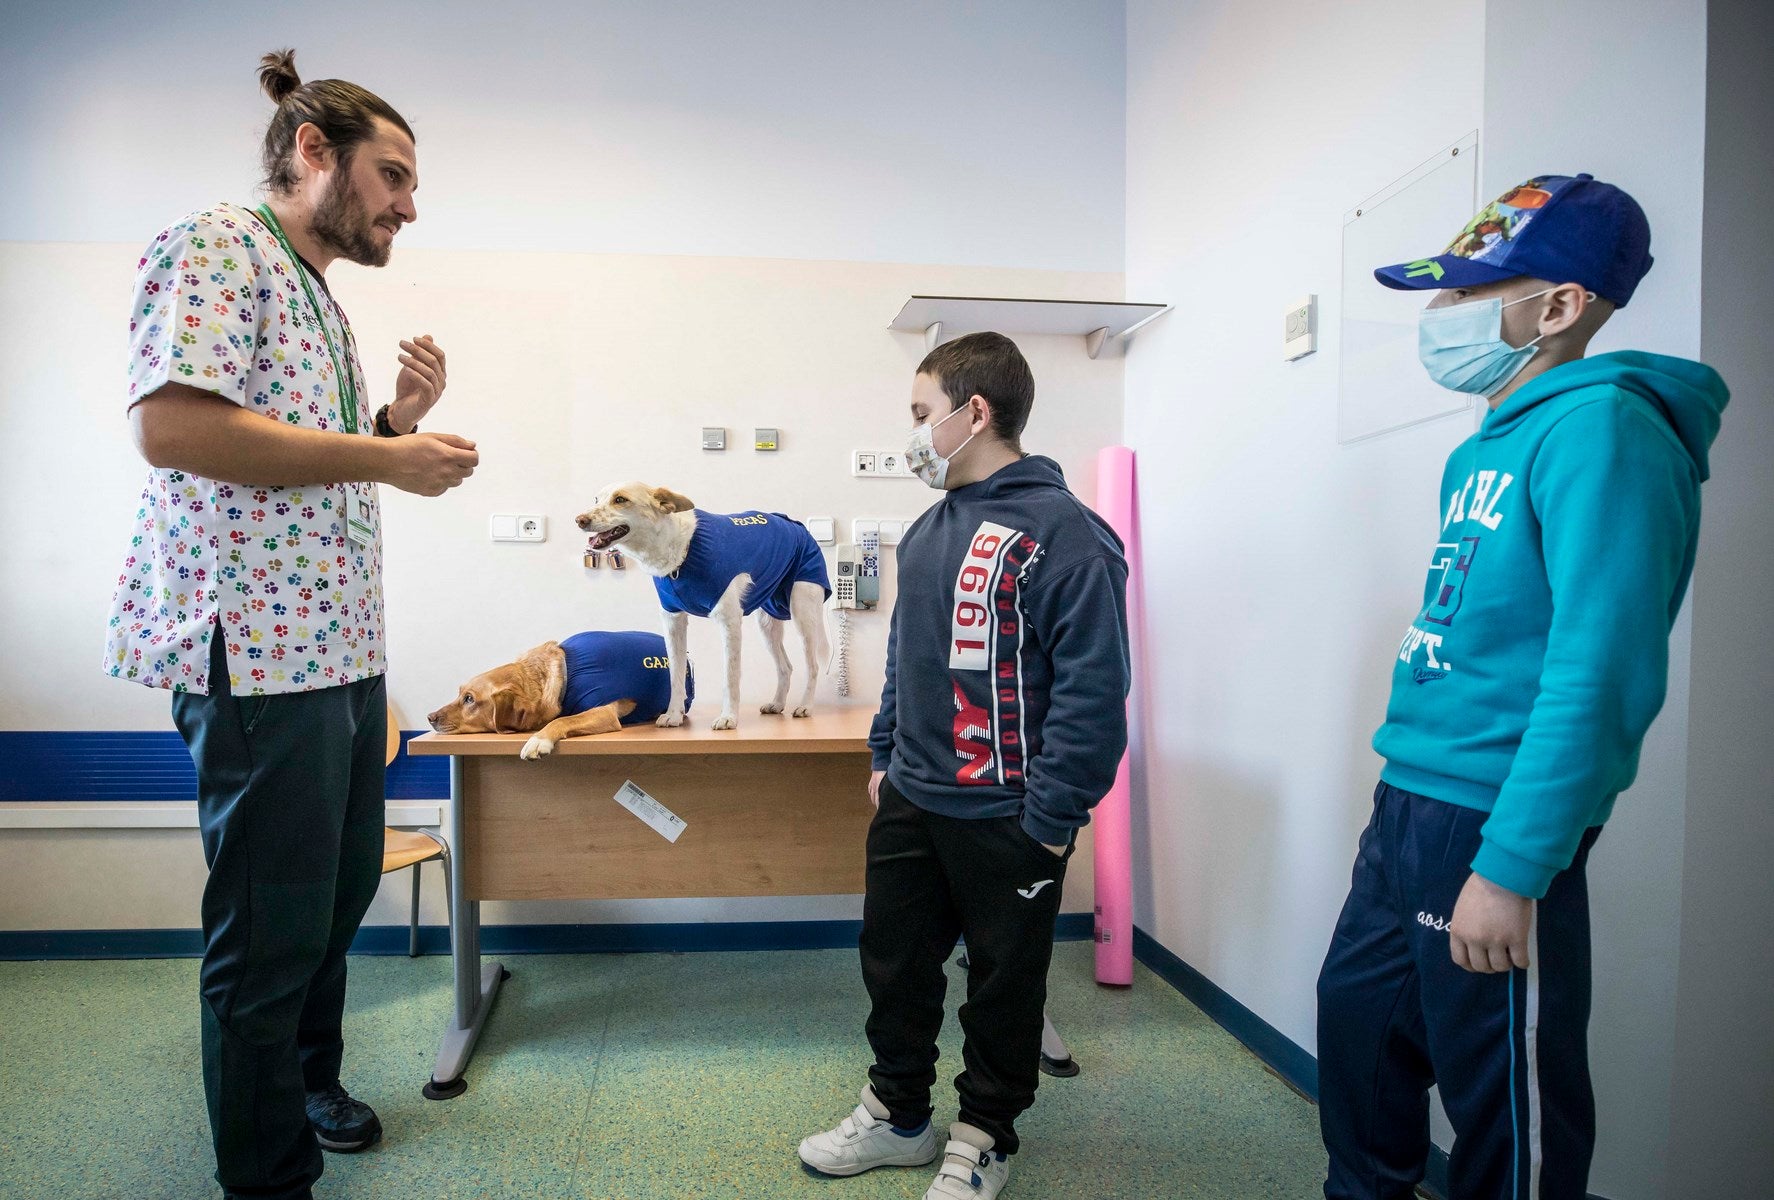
[[1396, 1015]]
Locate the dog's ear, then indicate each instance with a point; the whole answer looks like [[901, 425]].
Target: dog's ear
[[670, 501], [511, 712]]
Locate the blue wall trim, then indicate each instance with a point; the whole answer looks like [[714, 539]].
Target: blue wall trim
[[144, 765], [674, 937], [1268, 1043]]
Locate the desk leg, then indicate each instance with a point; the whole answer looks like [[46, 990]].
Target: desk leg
[[476, 985]]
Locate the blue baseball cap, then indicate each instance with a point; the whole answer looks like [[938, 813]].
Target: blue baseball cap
[[1560, 228]]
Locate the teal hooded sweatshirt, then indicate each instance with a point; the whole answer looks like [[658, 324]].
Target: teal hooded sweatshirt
[[1526, 683]]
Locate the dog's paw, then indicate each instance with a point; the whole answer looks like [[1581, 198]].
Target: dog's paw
[[536, 747], [803, 711], [670, 720], [770, 710], [726, 721]]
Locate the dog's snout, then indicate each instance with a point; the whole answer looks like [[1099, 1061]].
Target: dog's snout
[[583, 520]]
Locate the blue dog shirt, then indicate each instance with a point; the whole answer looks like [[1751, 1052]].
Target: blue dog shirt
[[603, 668], [776, 551]]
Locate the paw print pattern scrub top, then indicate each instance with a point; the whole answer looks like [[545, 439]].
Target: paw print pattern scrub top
[[275, 571]]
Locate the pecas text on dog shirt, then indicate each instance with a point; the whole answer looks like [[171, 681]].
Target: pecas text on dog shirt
[[776, 551]]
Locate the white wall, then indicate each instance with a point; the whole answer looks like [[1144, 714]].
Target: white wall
[[634, 222], [1280, 566], [912, 131], [571, 372]]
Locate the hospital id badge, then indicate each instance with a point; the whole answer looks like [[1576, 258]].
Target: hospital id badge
[[360, 516]]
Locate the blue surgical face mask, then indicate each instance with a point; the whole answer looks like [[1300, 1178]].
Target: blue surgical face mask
[[1462, 346]]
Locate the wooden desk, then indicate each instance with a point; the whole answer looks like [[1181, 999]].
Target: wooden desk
[[773, 808]]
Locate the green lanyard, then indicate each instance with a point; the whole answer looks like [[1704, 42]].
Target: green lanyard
[[347, 385]]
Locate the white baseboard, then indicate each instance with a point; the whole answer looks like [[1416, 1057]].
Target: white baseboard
[[126, 814]]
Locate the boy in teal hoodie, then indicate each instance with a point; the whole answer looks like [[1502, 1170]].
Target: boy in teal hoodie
[[1520, 695]]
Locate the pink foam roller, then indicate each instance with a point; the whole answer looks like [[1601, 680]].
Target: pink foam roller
[[1114, 832]]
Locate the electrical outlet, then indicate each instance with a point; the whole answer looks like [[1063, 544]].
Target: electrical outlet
[[879, 464], [506, 527]]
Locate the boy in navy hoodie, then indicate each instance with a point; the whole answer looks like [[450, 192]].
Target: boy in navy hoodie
[[1002, 723], [1520, 695]]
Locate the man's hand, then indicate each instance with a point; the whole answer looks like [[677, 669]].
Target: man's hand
[[1489, 932], [875, 778], [419, 384], [429, 464]]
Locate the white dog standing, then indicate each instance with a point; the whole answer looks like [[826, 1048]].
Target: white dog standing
[[725, 566]]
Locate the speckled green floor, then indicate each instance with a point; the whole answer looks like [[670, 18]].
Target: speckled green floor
[[641, 1076]]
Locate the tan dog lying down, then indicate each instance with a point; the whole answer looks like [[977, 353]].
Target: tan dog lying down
[[591, 683]]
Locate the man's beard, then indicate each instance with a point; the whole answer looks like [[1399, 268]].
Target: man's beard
[[342, 221]]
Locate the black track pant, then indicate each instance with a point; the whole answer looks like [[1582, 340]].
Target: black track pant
[[932, 879]]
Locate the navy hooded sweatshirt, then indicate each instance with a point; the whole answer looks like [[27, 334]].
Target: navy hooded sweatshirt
[[1007, 659]]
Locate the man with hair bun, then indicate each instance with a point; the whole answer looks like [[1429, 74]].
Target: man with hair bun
[[252, 590]]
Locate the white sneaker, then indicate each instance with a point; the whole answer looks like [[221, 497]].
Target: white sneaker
[[969, 1173], [865, 1140]]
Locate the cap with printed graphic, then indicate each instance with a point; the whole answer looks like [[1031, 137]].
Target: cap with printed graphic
[[1560, 228]]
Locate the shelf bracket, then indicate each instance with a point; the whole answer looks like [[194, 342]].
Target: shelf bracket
[[932, 336], [1093, 341]]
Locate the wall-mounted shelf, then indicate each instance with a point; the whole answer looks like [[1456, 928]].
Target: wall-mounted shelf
[[940, 318]]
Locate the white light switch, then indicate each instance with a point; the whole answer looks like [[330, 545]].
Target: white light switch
[[823, 529], [1299, 336]]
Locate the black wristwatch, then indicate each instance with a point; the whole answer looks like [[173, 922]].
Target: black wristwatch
[[384, 429]]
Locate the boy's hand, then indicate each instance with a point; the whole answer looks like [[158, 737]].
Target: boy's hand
[[875, 778], [1489, 932]]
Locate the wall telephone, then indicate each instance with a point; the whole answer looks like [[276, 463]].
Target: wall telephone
[[856, 577], [856, 583]]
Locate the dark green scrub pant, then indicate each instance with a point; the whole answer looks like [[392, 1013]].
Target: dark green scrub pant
[[290, 800]]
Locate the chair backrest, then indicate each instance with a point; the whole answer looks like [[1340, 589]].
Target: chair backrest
[[393, 735]]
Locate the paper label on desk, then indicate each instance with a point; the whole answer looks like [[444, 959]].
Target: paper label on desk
[[663, 821]]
